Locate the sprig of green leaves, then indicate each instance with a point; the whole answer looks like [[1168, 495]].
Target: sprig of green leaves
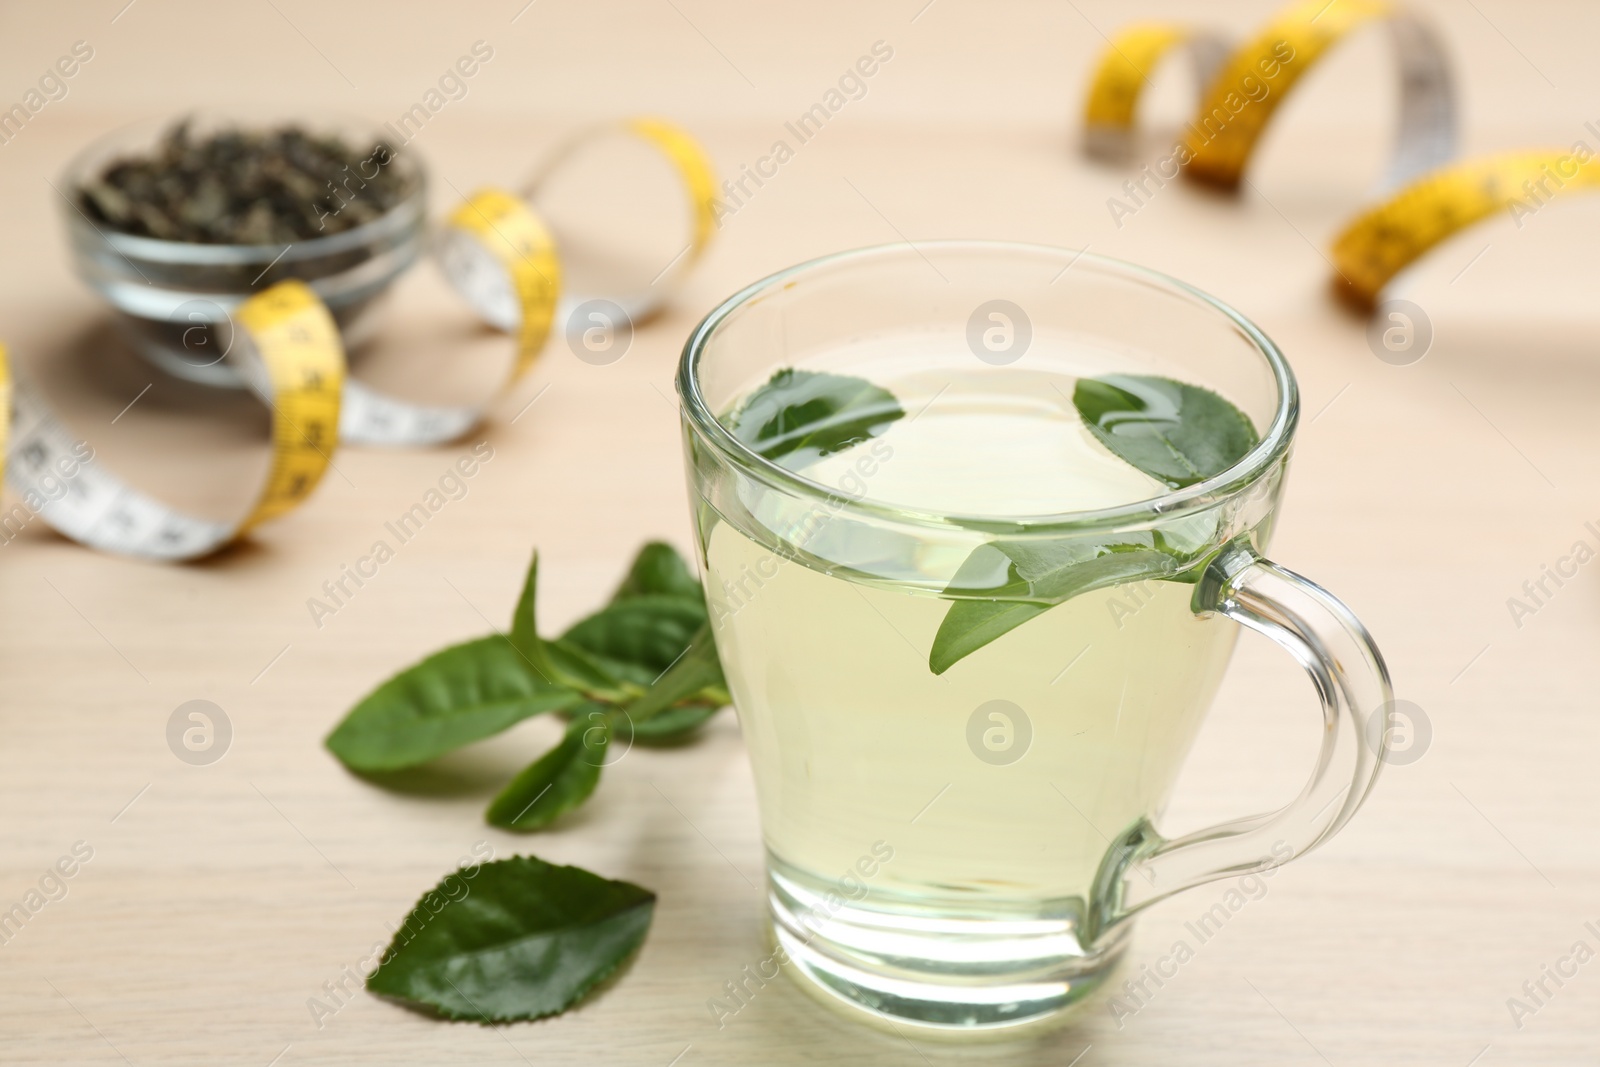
[[520, 938], [642, 669]]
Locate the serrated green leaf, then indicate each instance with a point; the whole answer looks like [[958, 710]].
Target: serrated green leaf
[[520, 939], [557, 781], [1177, 433], [799, 416], [456, 696], [658, 570]]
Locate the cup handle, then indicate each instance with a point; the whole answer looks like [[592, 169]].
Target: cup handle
[[1347, 669]]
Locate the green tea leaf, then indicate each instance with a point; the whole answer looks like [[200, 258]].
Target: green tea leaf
[[658, 570], [635, 657], [557, 781], [800, 416], [696, 674], [456, 696], [557, 661], [676, 724], [635, 639], [1026, 579], [522, 939], [649, 620], [524, 620], [1178, 433]]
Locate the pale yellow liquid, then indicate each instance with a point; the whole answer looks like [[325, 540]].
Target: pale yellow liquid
[[854, 740]]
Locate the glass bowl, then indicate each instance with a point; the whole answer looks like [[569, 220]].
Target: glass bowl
[[173, 299]]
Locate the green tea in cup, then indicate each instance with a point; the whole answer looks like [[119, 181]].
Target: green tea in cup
[[980, 523]]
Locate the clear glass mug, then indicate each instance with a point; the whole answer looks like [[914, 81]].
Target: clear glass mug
[[964, 850]]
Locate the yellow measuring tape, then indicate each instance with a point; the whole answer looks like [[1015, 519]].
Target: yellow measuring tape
[[469, 268], [1245, 90], [499, 253], [521, 244], [1385, 239], [694, 169], [1111, 107], [287, 348], [496, 249]]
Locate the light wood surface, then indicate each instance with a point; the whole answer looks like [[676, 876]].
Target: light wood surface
[[220, 898]]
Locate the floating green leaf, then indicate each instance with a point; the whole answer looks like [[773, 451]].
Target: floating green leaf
[[800, 416], [525, 939], [1177, 433], [459, 695], [1035, 578]]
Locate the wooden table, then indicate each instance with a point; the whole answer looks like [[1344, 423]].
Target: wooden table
[[219, 899]]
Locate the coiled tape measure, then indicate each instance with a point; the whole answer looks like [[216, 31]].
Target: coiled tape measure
[[495, 250], [1424, 197], [475, 263], [499, 254], [1244, 86]]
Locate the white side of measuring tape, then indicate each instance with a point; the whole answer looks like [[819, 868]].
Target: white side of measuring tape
[[1427, 133], [77, 495]]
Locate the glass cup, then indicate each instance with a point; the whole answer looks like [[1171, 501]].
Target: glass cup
[[964, 850]]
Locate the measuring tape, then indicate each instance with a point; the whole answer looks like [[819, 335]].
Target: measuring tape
[[1110, 119], [470, 269], [1385, 239], [287, 349], [1244, 90], [496, 247], [499, 253]]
